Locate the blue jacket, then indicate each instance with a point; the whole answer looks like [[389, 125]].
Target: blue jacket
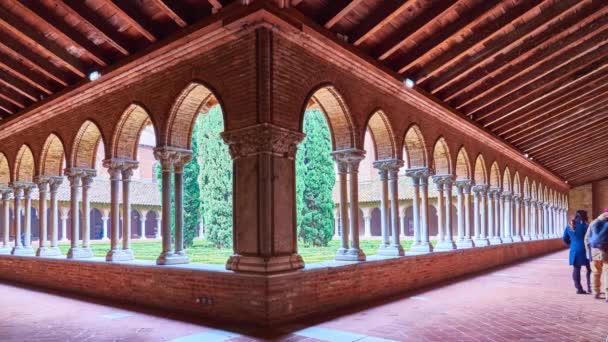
[[576, 241]]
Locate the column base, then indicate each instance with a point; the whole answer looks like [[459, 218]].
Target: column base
[[392, 250], [482, 242], [170, 258], [80, 253], [105, 239], [465, 243], [527, 238], [517, 238], [117, 255], [421, 248], [23, 251], [5, 250], [265, 265], [495, 240], [507, 239], [48, 251], [445, 245], [352, 254]]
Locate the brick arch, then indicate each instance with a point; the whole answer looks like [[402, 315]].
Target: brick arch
[[506, 180], [24, 165], [194, 99], [382, 136], [126, 135], [516, 184], [495, 176], [86, 142], [481, 173], [441, 158], [463, 164], [414, 148], [526, 192], [5, 170], [52, 157], [332, 104]]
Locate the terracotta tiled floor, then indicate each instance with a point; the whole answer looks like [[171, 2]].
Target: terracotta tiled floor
[[534, 300]]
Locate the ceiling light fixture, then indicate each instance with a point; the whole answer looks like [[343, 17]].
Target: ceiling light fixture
[[409, 83], [93, 75]]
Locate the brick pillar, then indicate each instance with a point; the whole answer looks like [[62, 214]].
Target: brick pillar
[[265, 238]]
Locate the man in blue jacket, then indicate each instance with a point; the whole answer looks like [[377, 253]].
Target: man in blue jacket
[[598, 256]]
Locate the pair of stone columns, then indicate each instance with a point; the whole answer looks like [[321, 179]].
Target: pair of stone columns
[[388, 171], [22, 191], [444, 185], [80, 181], [463, 197], [420, 209], [120, 171], [172, 161], [348, 165], [45, 185], [5, 247], [480, 193]]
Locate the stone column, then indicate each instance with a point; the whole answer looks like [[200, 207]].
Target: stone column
[[127, 172], [87, 180], [444, 212], [5, 248], [518, 235], [420, 210], [159, 222], [404, 225], [384, 210], [27, 220], [183, 158], [546, 223], [64, 223], [142, 224], [167, 158], [43, 188], [343, 205], [353, 158], [104, 224], [526, 234], [495, 238], [367, 218], [265, 239], [336, 224], [391, 169], [74, 177], [464, 217], [507, 216], [18, 196], [479, 212], [114, 169]]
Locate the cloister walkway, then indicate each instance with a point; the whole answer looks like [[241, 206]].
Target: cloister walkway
[[533, 300]]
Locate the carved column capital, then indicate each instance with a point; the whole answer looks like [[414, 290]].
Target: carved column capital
[[418, 172], [389, 164], [480, 188], [55, 182], [464, 185], [263, 138], [182, 158], [351, 157]]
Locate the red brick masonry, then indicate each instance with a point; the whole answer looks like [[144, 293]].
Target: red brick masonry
[[224, 295]]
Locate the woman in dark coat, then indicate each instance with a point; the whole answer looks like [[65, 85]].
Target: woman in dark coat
[[574, 236]]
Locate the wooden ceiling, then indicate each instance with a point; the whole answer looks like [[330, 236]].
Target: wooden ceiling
[[533, 72]]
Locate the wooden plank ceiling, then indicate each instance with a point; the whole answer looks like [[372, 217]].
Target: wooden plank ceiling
[[533, 72]]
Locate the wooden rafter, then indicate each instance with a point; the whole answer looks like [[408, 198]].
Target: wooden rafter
[[218, 5], [336, 17], [171, 13], [27, 75], [34, 39], [378, 19], [13, 97], [134, 18], [18, 85]]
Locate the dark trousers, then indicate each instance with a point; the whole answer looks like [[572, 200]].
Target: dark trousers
[[576, 276]]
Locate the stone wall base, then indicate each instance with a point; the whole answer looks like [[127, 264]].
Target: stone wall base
[[264, 300]]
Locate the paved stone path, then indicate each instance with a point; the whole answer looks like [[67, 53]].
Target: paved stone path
[[532, 301]]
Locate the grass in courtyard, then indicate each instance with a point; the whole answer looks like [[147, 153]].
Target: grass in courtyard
[[203, 252]]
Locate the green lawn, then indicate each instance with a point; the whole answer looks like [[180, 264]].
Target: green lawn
[[202, 252]]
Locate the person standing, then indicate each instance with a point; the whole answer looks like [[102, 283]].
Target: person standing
[[598, 256], [574, 237]]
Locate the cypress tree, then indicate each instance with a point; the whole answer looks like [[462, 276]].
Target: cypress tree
[[315, 181]]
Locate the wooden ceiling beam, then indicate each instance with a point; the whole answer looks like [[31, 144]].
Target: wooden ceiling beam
[[484, 77], [396, 40], [570, 152], [218, 5], [536, 30], [8, 107], [336, 17], [19, 86], [464, 22], [31, 60], [574, 100], [570, 161], [575, 70], [13, 97], [489, 29], [36, 40], [522, 129], [553, 93], [36, 10], [378, 19], [597, 166], [134, 18], [80, 10], [170, 12], [27, 75], [566, 62]]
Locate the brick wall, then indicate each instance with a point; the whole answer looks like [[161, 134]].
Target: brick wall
[[258, 299]]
